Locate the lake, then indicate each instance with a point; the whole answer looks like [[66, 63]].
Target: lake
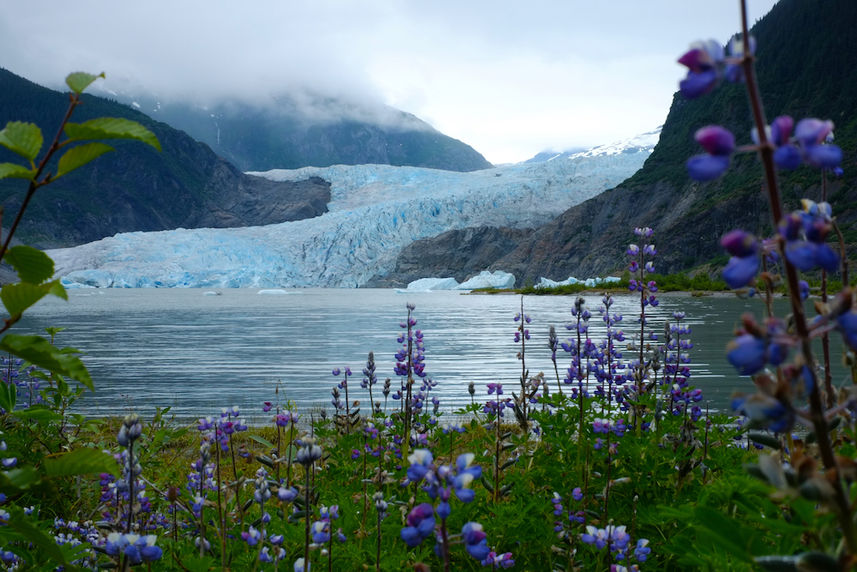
[[197, 352]]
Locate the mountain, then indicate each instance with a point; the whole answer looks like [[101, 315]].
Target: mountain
[[642, 142], [551, 155], [806, 57], [290, 132], [375, 211], [136, 188]]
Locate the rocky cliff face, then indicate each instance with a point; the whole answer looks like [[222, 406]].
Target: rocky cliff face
[[591, 239], [459, 254]]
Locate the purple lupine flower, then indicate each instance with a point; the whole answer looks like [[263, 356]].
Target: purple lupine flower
[[320, 531], [421, 463], [287, 494], [719, 143], [765, 410], [265, 554], [475, 540], [744, 263], [308, 453], [806, 233], [466, 474], [708, 65], [803, 287], [749, 352], [814, 136], [703, 62], [420, 525], [733, 71], [596, 537], [130, 431], [495, 560], [252, 536], [846, 323], [786, 154]]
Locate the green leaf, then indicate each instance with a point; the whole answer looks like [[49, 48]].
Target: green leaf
[[11, 170], [80, 156], [764, 439], [721, 532], [25, 139], [263, 441], [79, 81], [111, 128], [56, 288], [80, 462], [18, 297], [20, 523], [31, 264], [8, 396], [39, 414], [41, 353], [20, 478]]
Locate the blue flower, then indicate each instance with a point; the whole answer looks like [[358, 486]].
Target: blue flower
[[421, 462], [719, 143], [747, 354], [704, 61], [806, 233], [475, 540], [765, 411], [846, 323], [750, 352], [320, 532], [421, 525], [744, 263], [814, 136], [252, 536], [641, 552]]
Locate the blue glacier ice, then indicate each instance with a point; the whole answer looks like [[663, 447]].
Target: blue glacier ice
[[374, 212], [431, 284], [571, 280], [486, 279]]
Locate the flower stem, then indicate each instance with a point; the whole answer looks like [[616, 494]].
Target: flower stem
[[820, 426]]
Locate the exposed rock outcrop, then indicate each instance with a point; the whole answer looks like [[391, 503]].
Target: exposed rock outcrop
[[459, 254]]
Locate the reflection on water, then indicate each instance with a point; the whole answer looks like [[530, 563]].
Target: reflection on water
[[196, 352]]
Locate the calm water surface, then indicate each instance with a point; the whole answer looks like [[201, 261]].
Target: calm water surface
[[196, 353]]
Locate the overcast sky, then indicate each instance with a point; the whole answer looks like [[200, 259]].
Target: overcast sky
[[509, 78]]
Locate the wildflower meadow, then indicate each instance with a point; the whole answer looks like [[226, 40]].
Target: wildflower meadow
[[613, 460]]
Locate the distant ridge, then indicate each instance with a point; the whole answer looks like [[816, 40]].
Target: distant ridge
[[136, 188], [286, 135]]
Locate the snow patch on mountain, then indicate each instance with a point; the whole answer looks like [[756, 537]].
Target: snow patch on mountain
[[375, 211], [645, 142]]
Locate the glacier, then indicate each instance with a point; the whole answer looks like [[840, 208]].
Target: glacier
[[571, 280], [432, 284], [374, 212]]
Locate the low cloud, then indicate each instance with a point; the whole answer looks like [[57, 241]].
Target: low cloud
[[501, 75]]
